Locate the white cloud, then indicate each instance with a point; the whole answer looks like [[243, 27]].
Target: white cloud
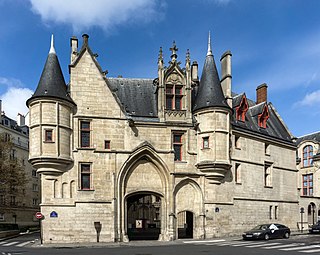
[[14, 101], [312, 99], [102, 13], [10, 82]]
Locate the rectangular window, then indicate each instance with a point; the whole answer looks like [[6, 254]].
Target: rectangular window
[[237, 142], [237, 173], [84, 134], [270, 212], [34, 201], [85, 176], [13, 154], [267, 148], [107, 144], [35, 187], [177, 147], [48, 135], [268, 175], [307, 189], [276, 212], [34, 173], [205, 142], [1, 216]]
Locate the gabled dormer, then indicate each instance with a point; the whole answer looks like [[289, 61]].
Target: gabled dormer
[[263, 117], [174, 88], [242, 108]]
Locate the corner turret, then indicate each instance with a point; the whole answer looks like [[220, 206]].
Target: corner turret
[[50, 109], [212, 114]]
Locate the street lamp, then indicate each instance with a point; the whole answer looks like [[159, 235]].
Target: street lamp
[[301, 213]]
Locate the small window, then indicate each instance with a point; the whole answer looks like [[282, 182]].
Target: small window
[[2, 200], [12, 200], [276, 212], [1, 216], [35, 187], [267, 148], [48, 135], [85, 176], [237, 141], [34, 201], [34, 173], [205, 142], [268, 175], [270, 212], [84, 134], [107, 144], [177, 147], [237, 173]]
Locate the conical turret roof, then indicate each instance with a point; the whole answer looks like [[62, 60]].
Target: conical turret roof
[[52, 83], [210, 92]]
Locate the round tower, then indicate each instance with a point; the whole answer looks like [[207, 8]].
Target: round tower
[[212, 115], [50, 111]]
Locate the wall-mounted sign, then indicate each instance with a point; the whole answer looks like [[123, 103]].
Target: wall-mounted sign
[[53, 214]]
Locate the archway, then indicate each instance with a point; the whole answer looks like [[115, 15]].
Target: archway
[[312, 213], [143, 216], [185, 224]]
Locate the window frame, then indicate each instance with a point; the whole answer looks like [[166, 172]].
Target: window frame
[[174, 97], [307, 155], [237, 173], [205, 142], [107, 144], [177, 144], [86, 131], [85, 172], [47, 136], [308, 180], [268, 175]]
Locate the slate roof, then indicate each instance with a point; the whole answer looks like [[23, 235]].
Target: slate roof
[[137, 96], [8, 122], [209, 92], [275, 126], [52, 83], [315, 137]]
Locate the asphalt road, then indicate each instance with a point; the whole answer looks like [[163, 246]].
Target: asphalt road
[[295, 245]]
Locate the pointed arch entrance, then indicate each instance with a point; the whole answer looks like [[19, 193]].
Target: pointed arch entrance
[[142, 183], [312, 213], [143, 216]]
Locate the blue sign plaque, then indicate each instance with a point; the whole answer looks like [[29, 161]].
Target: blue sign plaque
[[53, 214]]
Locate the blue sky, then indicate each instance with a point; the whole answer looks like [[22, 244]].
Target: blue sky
[[272, 41]]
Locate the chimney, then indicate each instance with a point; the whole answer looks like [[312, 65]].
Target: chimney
[[21, 120], [226, 77], [85, 39], [262, 93], [194, 71], [74, 47]]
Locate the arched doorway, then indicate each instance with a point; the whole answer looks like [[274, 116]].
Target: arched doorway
[[185, 224], [312, 213], [143, 216]]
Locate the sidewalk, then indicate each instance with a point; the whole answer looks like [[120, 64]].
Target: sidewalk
[[38, 244]]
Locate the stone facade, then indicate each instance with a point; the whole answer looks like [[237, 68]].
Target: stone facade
[[130, 157], [16, 207], [309, 178]]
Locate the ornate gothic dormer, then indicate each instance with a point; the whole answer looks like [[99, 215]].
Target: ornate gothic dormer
[[242, 109], [263, 117], [174, 89]]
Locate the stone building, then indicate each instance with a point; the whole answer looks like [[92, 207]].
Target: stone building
[[308, 164], [164, 158], [16, 206]]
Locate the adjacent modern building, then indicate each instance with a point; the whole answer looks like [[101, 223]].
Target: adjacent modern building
[[308, 164], [16, 206], [165, 158]]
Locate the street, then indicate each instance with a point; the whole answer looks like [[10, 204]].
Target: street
[[299, 244]]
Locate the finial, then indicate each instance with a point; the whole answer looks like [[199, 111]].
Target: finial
[[160, 54], [209, 53], [188, 56], [52, 50], [174, 50]]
